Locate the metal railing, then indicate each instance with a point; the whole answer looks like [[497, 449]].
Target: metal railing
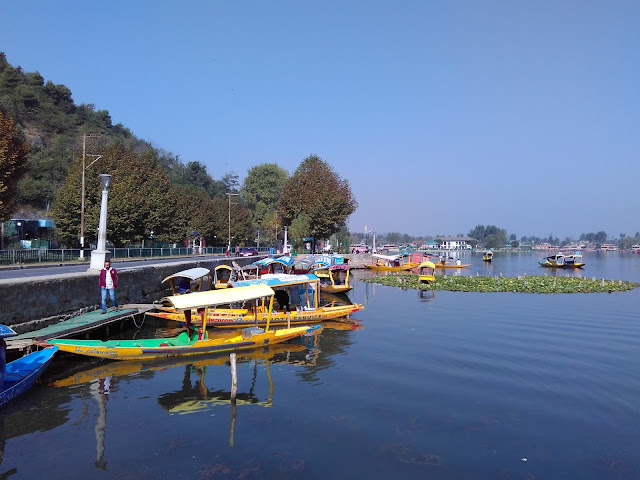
[[60, 255]]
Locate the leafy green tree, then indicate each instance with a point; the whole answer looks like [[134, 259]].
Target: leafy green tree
[[262, 189], [600, 237], [242, 229], [14, 151], [140, 199], [194, 212], [316, 191], [300, 227]]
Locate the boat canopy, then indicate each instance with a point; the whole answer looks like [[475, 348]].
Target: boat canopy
[[427, 264], [287, 261], [218, 297], [391, 258], [277, 280], [332, 268], [324, 260], [6, 331], [192, 274], [223, 267]]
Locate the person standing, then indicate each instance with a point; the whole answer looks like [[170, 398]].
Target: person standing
[[108, 284]]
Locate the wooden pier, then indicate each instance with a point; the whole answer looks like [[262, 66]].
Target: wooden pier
[[81, 324]]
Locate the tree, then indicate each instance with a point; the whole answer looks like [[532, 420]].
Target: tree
[[140, 199], [242, 230], [194, 212], [14, 151], [478, 233], [316, 191], [262, 189], [300, 227], [600, 237]]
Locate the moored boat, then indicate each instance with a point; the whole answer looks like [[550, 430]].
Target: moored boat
[[426, 272], [334, 278], [297, 303], [191, 280], [20, 375], [488, 256], [222, 276], [392, 263], [196, 340]]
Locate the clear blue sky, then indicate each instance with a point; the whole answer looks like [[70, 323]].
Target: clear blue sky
[[441, 114]]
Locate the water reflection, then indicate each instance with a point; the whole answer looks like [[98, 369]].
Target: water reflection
[[427, 295]]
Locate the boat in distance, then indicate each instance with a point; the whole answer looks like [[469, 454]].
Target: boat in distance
[[391, 263], [196, 340]]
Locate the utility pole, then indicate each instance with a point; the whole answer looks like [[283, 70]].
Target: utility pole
[[84, 155], [229, 195]]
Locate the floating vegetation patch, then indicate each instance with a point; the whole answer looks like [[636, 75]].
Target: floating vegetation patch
[[521, 284]]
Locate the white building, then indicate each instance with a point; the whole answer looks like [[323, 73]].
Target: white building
[[456, 243]]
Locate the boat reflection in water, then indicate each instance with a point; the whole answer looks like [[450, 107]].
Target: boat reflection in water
[[427, 295], [193, 396]]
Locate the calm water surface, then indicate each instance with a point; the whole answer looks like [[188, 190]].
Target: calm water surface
[[440, 386]]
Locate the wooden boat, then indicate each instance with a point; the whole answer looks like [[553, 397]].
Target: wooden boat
[[302, 266], [392, 263], [488, 256], [19, 376], [573, 261], [334, 278], [426, 272], [222, 275], [191, 280], [195, 340], [553, 261], [445, 264], [298, 303]]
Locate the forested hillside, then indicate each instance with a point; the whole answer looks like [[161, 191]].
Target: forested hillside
[[53, 125]]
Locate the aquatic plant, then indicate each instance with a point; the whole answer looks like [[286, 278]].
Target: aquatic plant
[[521, 284]]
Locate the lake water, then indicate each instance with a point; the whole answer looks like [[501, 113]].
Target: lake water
[[443, 385]]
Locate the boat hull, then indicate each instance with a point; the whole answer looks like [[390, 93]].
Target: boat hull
[[231, 318], [21, 374], [453, 266], [426, 278], [178, 346], [404, 268]]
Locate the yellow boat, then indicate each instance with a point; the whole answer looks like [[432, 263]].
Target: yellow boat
[[195, 340], [334, 278], [573, 261], [488, 256], [222, 276], [298, 303], [426, 272], [445, 264], [392, 263]]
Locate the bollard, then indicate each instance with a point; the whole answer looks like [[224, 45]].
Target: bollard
[[234, 376]]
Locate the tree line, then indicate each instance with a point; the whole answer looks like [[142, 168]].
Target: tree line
[[152, 190]]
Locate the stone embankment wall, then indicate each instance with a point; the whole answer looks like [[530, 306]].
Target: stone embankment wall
[[27, 304]]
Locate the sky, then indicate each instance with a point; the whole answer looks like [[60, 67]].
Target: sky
[[442, 115]]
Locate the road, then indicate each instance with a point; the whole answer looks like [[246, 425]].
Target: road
[[6, 274]]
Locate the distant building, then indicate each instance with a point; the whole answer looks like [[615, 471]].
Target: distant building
[[456, 243]]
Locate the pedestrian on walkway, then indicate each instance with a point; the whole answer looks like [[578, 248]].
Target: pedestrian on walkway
[[108, 284]]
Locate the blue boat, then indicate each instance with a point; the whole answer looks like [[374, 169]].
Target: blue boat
[[19, 376]]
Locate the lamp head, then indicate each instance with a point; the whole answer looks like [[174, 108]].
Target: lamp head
[[105, 179]]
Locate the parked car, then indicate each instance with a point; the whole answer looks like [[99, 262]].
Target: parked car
[[248, 251]]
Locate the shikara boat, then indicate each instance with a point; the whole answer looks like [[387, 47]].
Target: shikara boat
[[445, 264], [222, 275], [196, 340], [334, 278], [191, 280], [302, 266], [19, 376], [392, 263], [488, 256], [426, 272], [298, 303], [573, 261], [553, 261]]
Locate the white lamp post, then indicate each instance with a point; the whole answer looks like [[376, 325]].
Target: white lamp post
[[100, 255]]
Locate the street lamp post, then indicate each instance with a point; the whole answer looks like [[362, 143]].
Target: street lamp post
[[229, 195], [84, 155], [100, 254]]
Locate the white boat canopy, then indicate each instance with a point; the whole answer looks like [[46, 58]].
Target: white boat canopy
[[218, 297], [192, 274], [387, 257]]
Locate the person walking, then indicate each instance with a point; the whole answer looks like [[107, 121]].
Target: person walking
[[108, 284]]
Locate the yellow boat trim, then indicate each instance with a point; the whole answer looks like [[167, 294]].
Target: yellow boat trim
[[218, 297]]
